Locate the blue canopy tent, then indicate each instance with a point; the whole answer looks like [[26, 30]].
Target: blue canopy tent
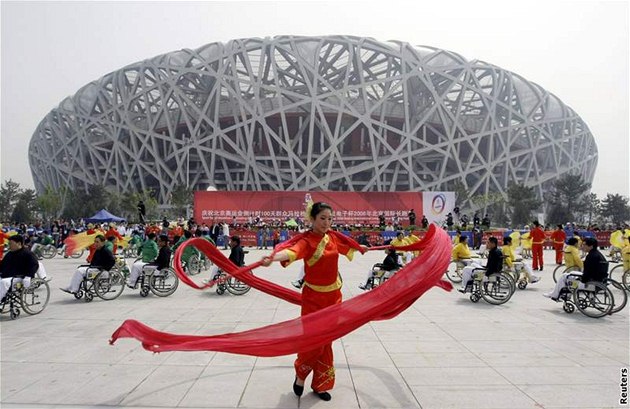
[[103, 216]]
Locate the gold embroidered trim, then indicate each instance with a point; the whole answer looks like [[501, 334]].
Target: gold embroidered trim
[[325, 288], [318, 251]]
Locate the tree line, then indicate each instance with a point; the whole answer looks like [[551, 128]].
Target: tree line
[[20, 205]]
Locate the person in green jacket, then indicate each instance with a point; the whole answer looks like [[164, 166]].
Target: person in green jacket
[[149, 252], [188, 251], [109, 244], [44, 239]]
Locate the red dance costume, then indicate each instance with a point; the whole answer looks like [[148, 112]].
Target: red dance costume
[[322, 288], [558, 237], [538, 238]]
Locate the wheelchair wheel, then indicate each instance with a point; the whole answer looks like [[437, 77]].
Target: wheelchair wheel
[[454, 272], [129, 252], [522, 284], [626, 280], [78, 294], [144, 291], [616, 273], [88, 297], [164, 282], [237, 287], [15, 312], [619, 295], [193, 266], [595, 302], [474, 297], [77, 254], [498, 289], [35, 297], [48, 251], [557, 272], [109, 284], [568, 307], [220, 289], [561, 270]]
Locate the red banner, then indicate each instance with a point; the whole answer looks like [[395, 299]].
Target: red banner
[[348, 207]]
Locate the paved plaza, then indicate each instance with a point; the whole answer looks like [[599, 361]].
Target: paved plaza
[[443, 352]]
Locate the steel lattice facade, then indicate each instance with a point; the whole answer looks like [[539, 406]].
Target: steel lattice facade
[[310, 113]]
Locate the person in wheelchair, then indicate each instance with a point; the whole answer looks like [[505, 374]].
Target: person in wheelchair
[[516, 263], [625, 255], [461, 253], [494, 264], [162, 261], [18, 265], [572, 255], [400, 240], [595, 269], [103, 259], [43, 239], [149, 251], [386, 268]]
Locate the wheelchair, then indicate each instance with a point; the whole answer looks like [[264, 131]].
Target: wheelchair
[[617, 273], [106, 285], [615, 255], [454, 271], [33, 298], [197, 263], [379, 276], [625, 279], [46, 251], [594, 300], [77, 254], [496, 288], [561, 269], [130, 251], [231, 284], [160, 282]]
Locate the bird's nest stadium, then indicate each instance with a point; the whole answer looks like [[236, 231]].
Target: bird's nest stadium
[[288, 113]]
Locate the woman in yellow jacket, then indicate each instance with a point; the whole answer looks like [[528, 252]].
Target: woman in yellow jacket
[[526, 242], [515, 263]]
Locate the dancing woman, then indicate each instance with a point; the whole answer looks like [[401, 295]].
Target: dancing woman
[[320, 251]]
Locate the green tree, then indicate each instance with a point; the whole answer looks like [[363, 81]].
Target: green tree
[[493, 204], [25, 206], [590, 208], [129, 205], [181, 198], [9, 192], [522, 202], [565, 195], [615, 208], [50, 203]]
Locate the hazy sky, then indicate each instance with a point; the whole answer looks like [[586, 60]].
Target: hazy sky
[[578, 50]]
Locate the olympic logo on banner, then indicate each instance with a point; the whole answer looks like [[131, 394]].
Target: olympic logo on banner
[[438, 204]]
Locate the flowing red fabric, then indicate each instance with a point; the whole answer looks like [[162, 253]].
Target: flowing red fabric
[[316, 329]]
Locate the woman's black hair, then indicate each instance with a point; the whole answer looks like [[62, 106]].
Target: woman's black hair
[[318, 207]]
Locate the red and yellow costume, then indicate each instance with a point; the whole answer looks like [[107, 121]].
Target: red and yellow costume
[[3, 237], [322, 288], [558, 237], [538, 238]]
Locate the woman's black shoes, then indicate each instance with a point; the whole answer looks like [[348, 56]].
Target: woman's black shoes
[[297, 389], [324, 395]]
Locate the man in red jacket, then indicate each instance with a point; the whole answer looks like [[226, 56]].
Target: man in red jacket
[[538, 238], [559, 236]]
